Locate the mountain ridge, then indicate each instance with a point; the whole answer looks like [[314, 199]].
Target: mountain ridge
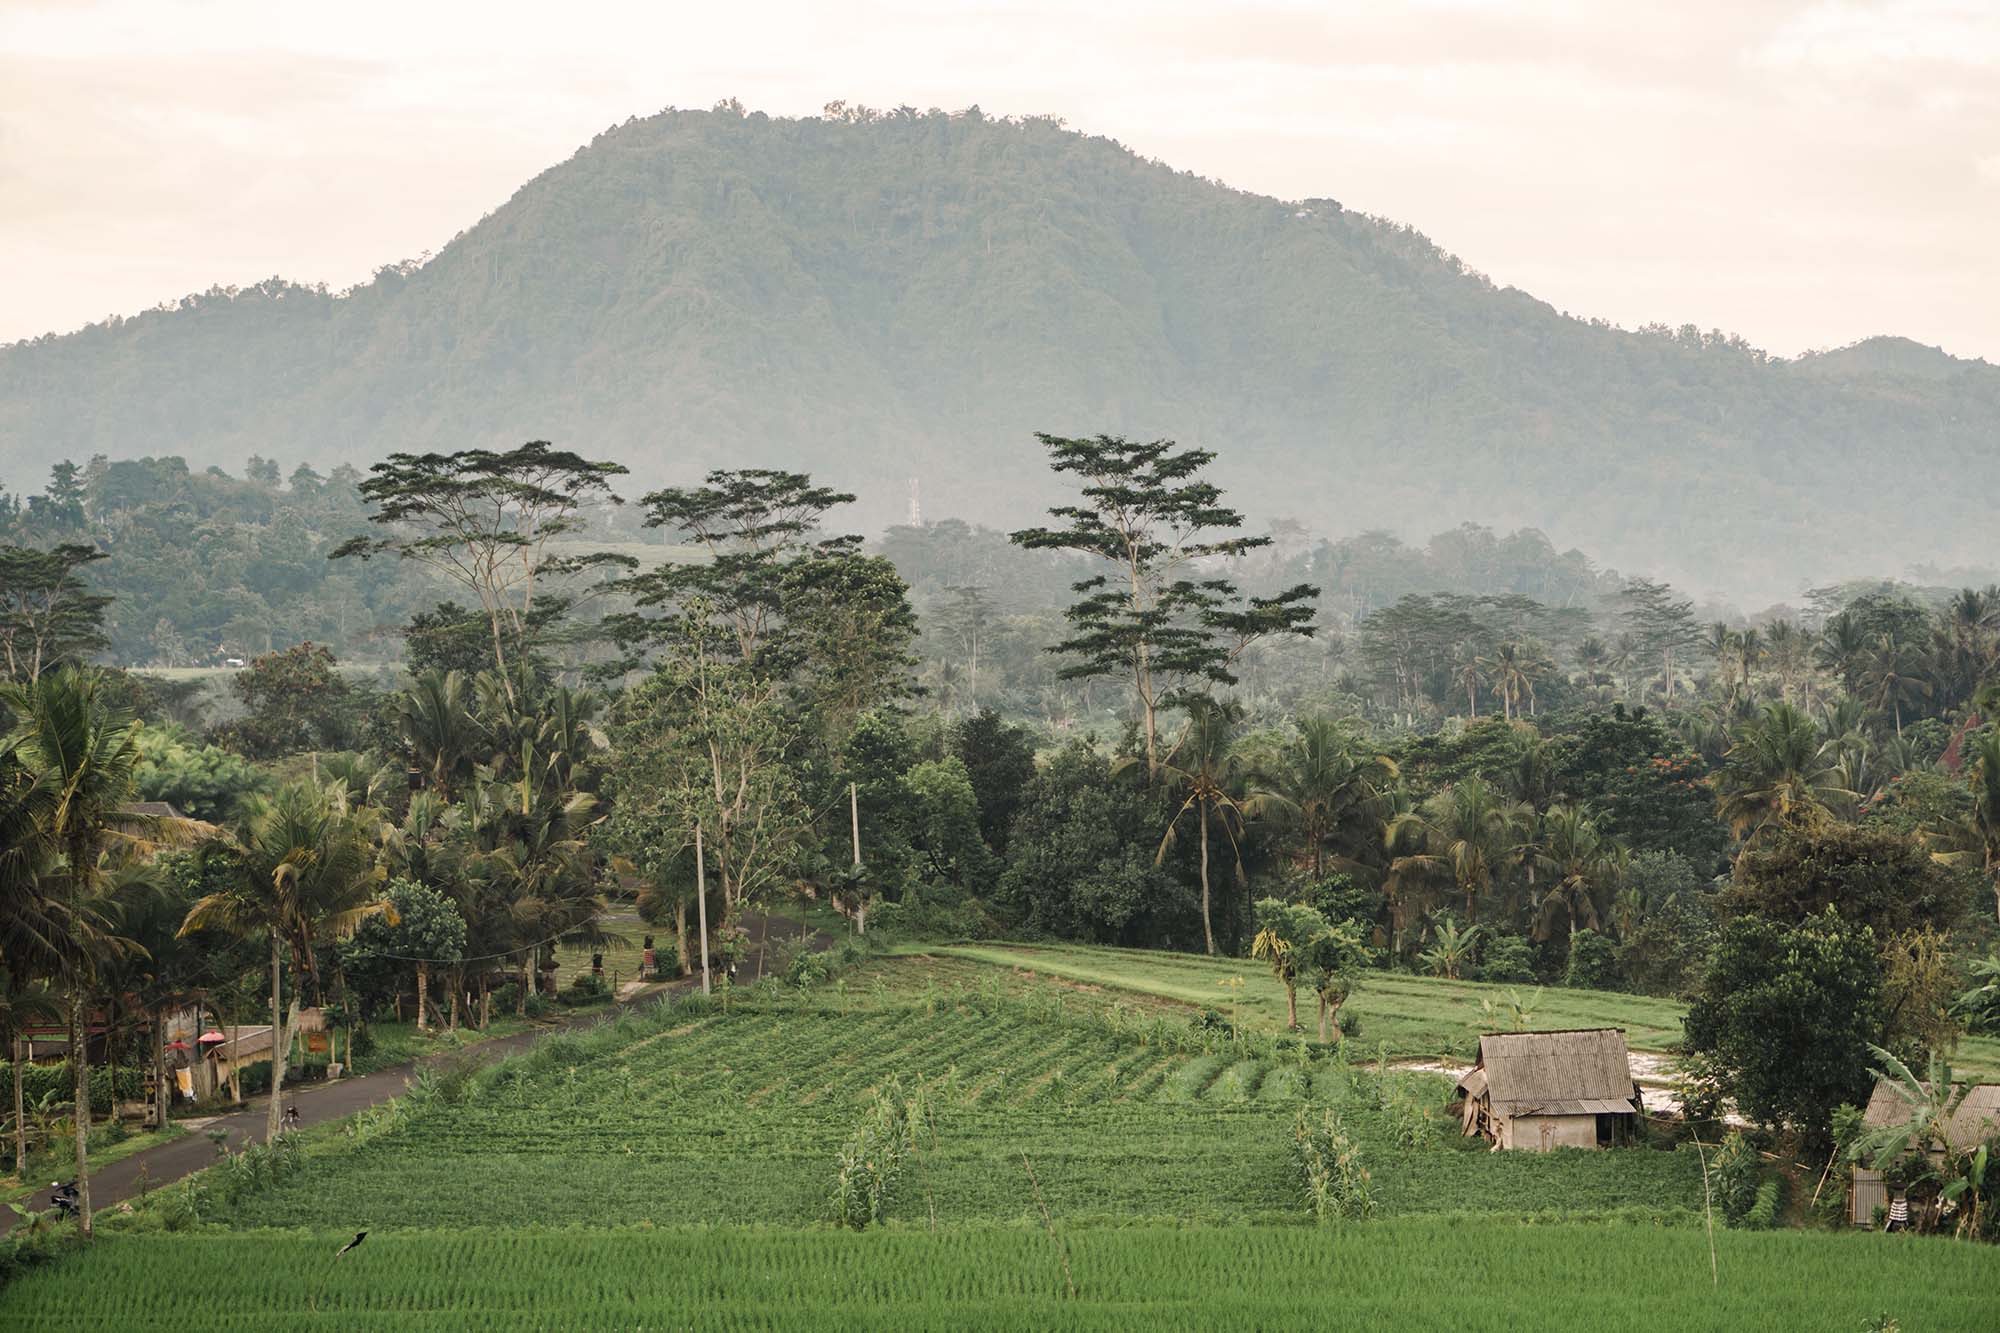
[[873, 299]]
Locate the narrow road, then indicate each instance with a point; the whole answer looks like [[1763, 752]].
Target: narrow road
[[319, 1103]]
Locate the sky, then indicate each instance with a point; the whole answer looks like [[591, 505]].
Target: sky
[[1801, 172]]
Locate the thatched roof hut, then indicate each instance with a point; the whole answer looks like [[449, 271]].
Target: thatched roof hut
[[1976, 1120], [1542, 1090]]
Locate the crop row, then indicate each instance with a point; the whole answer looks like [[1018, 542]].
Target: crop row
[[1402, 1273], [685, 1116]]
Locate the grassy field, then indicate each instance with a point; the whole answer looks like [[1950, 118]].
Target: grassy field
[[673, 1166], [1417, 1017], [1409, 1273]]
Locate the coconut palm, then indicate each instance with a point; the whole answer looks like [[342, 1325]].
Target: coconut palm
[[1582, 867], [304, 875], [439, 735], [1514, 670], [1203, 775], [1323, 786], [1790, 654], [78, 755], [1464, 833], [1892, 674], [1974, 839], [1843, 642], [1778, 771]]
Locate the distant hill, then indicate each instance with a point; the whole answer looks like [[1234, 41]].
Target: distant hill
[[875, 299]]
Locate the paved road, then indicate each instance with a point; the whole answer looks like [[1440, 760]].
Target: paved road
[[318, 1103]]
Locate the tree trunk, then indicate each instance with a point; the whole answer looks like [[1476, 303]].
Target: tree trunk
[[527, 969], [457, 985], [162, 1093], [485, 1000], [1322, 1020], [1330, 1022], [681, 937], [21, 1107], [1291, 1007], [423, 995], [79, 1049], [281, 1025], [1207, 933]]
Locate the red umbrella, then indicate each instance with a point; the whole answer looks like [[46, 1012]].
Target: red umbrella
[[177, 1045], [210, 1037]]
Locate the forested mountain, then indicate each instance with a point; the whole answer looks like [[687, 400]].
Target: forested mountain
[[878, 297]]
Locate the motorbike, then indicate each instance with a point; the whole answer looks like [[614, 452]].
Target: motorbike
[[64, 1199]]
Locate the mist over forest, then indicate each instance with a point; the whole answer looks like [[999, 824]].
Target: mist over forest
[[876, 297]]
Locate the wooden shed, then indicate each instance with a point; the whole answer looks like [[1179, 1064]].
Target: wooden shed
[[1543, 1090], [1976, 1120]]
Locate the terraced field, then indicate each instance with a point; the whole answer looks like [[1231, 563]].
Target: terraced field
[[692, 1116], [1090, 1161]]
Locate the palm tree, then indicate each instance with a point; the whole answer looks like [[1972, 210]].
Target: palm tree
[[1721, 642], [1975, 838], [1464, 833], [1324, 785], [1583, 863], [1788, 650], [1514, 668], [1202, 773], [1778, 771], [304, 876], [1892, 673], [1749, 652], [439, 735], [1843, 641], [79, 754], [1469, 674]]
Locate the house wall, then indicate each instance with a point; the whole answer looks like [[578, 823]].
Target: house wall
[[1539, 1133], [1869, 1194]]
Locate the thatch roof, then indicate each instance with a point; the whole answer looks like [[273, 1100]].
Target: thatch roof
[[1577, 1072], [1976, 1120]]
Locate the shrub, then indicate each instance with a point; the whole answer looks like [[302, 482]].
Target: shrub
[[1335, 1182], [40, 1081], [1507, 958], [1593, 964]]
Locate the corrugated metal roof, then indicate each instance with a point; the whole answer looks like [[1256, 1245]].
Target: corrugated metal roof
[[1976, 1119], [1588, 1066]]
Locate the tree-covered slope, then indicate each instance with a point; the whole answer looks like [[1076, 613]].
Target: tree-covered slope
[[879, 298]]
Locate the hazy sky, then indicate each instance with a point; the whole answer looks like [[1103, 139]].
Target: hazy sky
[[1803, 173]]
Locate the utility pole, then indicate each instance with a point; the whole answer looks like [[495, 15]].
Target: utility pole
[[860, 895], [701, 904]]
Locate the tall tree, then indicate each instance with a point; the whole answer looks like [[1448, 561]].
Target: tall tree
[[1202, 774], [496, 524], [1164, 620], [1663, 625], [303, 876], [1323, 785], [47, 613], [80, 756], [1464, 835], [1778, 772]]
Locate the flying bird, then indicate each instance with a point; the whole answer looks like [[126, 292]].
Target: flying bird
[[359, 1236]]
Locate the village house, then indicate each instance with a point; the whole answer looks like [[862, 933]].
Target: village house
[[1976, 1120], [1543, 1090]]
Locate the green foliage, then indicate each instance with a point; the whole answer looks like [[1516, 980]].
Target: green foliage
[[1329, 1163], [1593, 962], [200, 780], [1080, 863], [1784, 1017], [1507, 958], [1875, 876], [296, 701]]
